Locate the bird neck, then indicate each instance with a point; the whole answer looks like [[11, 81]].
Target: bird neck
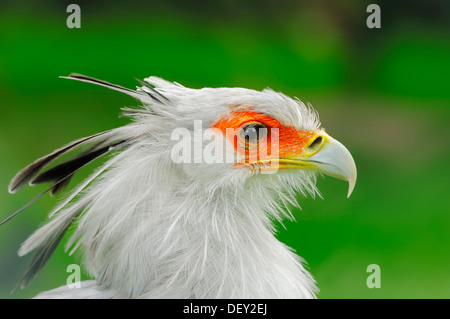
[[181, 240]]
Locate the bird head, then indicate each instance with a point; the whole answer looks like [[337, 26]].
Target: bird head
[[234, 137]]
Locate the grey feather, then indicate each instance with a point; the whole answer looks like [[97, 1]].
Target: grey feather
[[47, 248], [152, 92], [62, 173], [30, 171]]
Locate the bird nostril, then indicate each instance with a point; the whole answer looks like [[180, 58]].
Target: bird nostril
[[316, 144]]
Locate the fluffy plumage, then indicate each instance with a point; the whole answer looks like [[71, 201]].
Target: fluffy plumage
[[148, 227]]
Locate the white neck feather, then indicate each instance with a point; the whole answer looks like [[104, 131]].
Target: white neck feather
[[167, 236]]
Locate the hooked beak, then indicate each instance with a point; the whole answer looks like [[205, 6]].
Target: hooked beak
[[322, 153], [326, 155]]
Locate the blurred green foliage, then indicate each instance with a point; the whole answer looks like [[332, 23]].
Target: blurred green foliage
[[382, 92]]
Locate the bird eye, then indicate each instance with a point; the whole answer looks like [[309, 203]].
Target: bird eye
[[253, 133]]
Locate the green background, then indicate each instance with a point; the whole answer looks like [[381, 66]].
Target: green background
[[384, 93]]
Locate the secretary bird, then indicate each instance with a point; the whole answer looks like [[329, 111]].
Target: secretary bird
[[185, 205]]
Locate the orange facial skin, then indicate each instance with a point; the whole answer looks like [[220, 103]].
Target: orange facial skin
[[285, 139]]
